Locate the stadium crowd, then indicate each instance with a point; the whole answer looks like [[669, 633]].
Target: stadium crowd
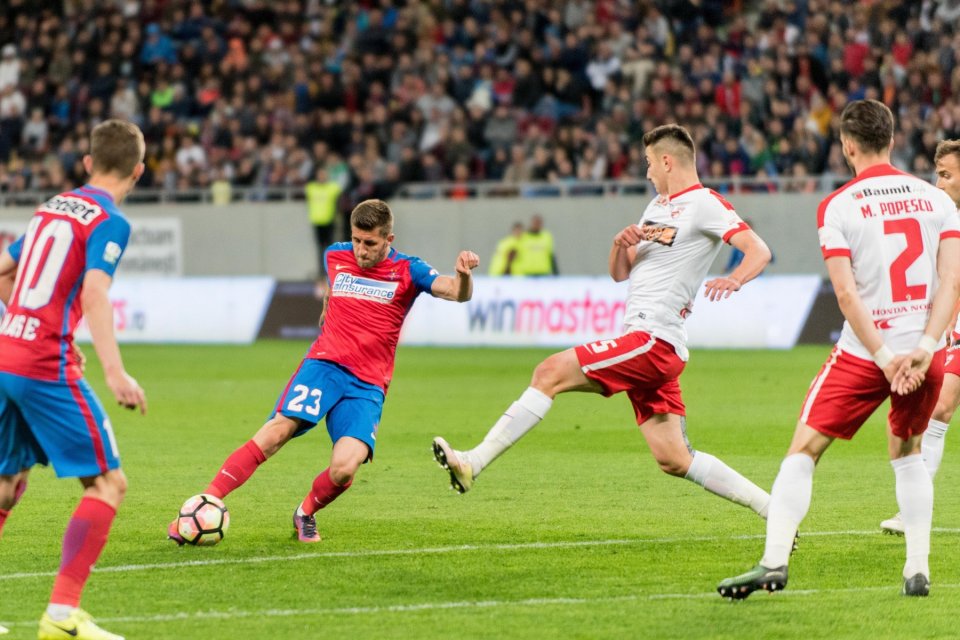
[[257, 93]]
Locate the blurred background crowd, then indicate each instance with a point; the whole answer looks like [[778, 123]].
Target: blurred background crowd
[[376, 94]]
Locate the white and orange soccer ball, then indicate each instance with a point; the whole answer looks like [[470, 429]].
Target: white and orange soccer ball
[[203, 520]]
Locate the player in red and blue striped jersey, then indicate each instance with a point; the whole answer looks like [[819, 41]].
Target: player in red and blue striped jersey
[[58, 272], [346, 373]]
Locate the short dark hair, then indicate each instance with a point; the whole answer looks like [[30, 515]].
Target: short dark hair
[[116, 147], [945, 148], [869, 123], [372, 214], [678, 138]]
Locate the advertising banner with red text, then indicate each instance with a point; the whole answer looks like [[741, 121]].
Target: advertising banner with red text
[[561, 312]]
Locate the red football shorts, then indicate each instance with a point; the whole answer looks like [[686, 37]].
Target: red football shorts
[[849, 389], [952, 362], [646, 368]]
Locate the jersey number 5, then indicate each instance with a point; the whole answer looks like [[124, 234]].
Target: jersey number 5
[[45, 250], [601, 345], [910, 228]]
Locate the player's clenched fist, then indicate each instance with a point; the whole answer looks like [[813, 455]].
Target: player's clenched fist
[[629, 237], [467, 261]]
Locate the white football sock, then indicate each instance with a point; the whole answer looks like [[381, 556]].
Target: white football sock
[[523, 415], [789, 503], [59, 612], [931, 447], [915, 497], [715, 476]]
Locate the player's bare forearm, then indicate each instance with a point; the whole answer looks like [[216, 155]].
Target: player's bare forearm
[[943, 312], [624, 252], [851, 304], [458, 288], [98, 312], [756, 256], [326, 304], [8, 275], [952, 325]]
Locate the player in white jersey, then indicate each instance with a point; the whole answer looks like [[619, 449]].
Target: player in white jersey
[[947, 159], [665, 257], [892, 248]]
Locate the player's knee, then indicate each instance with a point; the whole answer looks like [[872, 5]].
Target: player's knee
[[118, 485], [943, 412], [342, 472], [274, 434], [672, 465], [673, 468], [548, 375], [111, 487]]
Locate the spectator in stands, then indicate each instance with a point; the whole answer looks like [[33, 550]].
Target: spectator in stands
[[190, 157], [9, 66], [610, 69], [157, 48], [12, 109]]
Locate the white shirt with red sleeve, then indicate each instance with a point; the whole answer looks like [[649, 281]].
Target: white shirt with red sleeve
[[688, 229], [889, 223]]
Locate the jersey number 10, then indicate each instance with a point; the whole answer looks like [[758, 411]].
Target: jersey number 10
[[46, 250]]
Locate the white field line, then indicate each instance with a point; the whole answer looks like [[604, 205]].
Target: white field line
[[520, 546], [234, 614]]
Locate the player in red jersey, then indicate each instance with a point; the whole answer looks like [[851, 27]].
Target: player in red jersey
[[947, 159], [346, 373], [57, 272], [892, 248]]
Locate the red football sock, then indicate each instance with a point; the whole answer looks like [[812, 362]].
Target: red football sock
[[4, 513], [323, 493], [82, 543], [236, 469]]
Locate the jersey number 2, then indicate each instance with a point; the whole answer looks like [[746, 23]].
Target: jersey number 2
[[910, 228], [46, 250]]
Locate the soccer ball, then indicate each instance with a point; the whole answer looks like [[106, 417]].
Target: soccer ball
[[203, 520]]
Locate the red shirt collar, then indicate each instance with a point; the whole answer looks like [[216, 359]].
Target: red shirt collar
[[687, 190]]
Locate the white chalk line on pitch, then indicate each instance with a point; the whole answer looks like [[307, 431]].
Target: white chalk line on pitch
[[232, 614], [519, 546]]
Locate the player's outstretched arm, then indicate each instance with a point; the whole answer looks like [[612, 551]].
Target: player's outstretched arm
[[99, 314], [756, 257], [942, 314], [624, 252], [8, 274], [458, 288]]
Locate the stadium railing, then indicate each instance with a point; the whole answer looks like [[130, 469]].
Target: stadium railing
[[470, 190]]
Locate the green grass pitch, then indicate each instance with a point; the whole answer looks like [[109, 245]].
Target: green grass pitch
[[574, 533]]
